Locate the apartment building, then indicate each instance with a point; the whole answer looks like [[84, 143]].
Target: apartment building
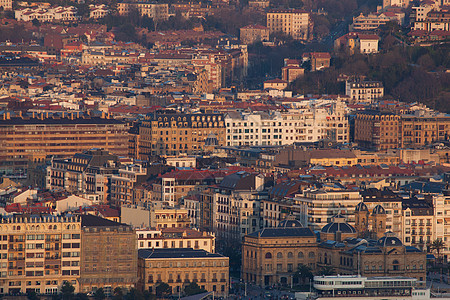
[[153, 10], [33, 138], [253, 129], [254, 33], [364, 91], [40, 252], [377, 130], [109, 255], [317, 207], [59, 13], [88, 173], [435, 19], [180, 267], [237, 205], [174, 238], [374, 20], [175, 186], [172, 133], [6, 4], [123, 185], [293, 22], [423, 128]]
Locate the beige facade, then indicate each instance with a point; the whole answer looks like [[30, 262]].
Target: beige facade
[[172, 133], [39, 253], [109, 255], [293, 22], [173, 238], [180, 267], [32, 138], [155, 11], [254, 33]]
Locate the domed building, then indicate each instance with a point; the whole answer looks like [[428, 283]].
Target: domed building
[[337, 230], [368, 224]]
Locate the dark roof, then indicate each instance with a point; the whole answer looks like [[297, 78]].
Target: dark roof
[[176, 253], [290, 224], [389, 241], [239, 181], [283, 232], [378, 210], [338, 225], [94, 221], [361, 207]]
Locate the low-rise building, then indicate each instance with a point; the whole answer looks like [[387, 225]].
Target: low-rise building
[[364, 91], [173, 238], [180, 267], [254, 33]]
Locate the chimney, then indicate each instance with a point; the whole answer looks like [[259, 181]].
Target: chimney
[[33, 115]]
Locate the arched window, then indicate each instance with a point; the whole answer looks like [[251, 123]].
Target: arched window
[[290, 255], [268, 255], [300, 254], [279, 255], [395, 265], [311, 254]]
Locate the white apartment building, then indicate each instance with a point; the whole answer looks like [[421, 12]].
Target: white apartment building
[[245, 129], [173, 238], [311, 122], [316, 120], [365, 91], [293, 22], [317, 207], [59, 13]]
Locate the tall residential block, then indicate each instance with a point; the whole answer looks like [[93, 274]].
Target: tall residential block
[[33, 138], [293, 22], [172, 133]]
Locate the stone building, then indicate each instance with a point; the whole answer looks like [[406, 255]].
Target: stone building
[[180, 267], [272, 255], [293, 22], [254, 33], [172, 133], [108, 255], [377, 130]]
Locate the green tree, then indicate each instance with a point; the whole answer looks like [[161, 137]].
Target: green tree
[[326, 271], [81, 296], [117, 294], [36, 22], [135, 294], [193, 289], [437, 245], [163, 290], [32, 296], [99, 294], [304, 272], [67, 290]]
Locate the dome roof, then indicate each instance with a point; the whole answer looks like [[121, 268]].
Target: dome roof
[[338, 224], [379, 210], [290, 223], [389, 240], [361, 207]]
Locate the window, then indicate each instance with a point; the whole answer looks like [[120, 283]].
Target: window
[[279, 255], [268, 255]]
